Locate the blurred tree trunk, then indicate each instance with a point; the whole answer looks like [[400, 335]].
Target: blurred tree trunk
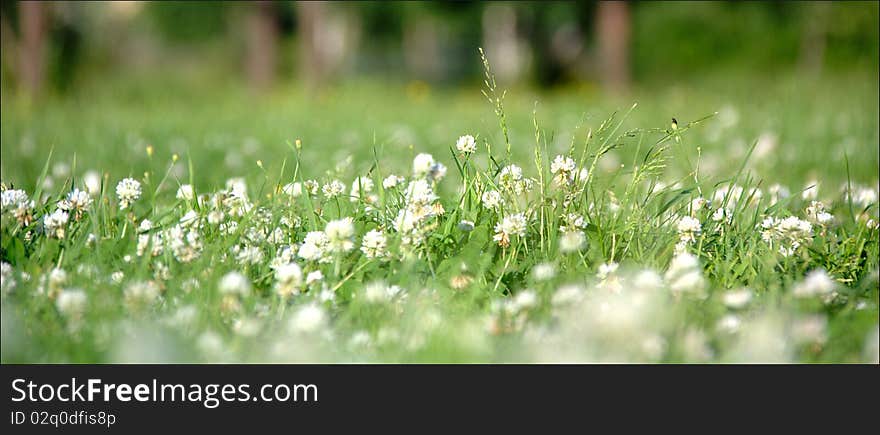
[[34, 23], [813, 38], [613, 34], [262, 44], [312, 18], [504, 49], [421, 47]]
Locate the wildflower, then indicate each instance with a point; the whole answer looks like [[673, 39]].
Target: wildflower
[[293, 189], [492, 200], [7, 281], [392, 181], [141, 293], [311, 187], [288, 279], [511, 179], [185, 192], [422, 164], [374, 244], [572, 241], [817, 212], [606, 269], [787, 234], [17, 203], [722, 215], [513, 225], [339, 234], [466, 144], [54, 223], [688, 229], [365, 184], [314, 276], [684, 275], [234, 283], [128, 190], [737, 298], [314, 247], [543, 272], [563, 168], [777, 193], [250, 255], [77, 201], [699, 203], [816, 283], [333, 189], [71, 303], [437, 172], [92, 182], [307, 319]]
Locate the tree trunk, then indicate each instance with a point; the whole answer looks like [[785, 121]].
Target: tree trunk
[[813, 38], [312, 18], [33, 19], [613, 34], [262, 44]]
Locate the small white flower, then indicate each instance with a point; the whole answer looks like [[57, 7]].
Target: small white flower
[[340, 233], [314, 276], [185, 192], [466, 144], [234, 283], [737, 299], [392, 181], [543, 272], [811, 191], [333, 189], [92, 182], [422, 164], [71, 303], [55, 222], [513, 225], [128, 190], [307, 319], [492, 199], [816, 283], [606, 269], [288, 279], [688, 229], [562, 164], [374, 244], [77, 201], [572, 241]]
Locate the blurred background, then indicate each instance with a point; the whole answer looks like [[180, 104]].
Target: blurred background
[[60, 47], [230, 83]]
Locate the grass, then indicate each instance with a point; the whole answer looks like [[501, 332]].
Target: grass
[[625, 279]]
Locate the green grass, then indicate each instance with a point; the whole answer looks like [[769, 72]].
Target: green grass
[[462, 296]]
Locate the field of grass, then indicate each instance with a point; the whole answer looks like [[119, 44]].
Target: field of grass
[[577, 228]]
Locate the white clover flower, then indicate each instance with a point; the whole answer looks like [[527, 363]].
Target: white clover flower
[[562, 164], [864, 197], [71, 303], [572, 241], [492, 200], [543, 272], [606, 269], [333, 189], [392, 181], [872, 224], [466, 144], [698, 204], [314, 276], [55, 222], [237, 185], [817, 212], [422, 165], [311, 186], [729, 324], [722, 215], [185, 192], [340, 233], [567, 295], [437, 172], [510, 178], [77, 201], [684, 275], [359, 183], [234, 283], [688, 229], [250, 255], [315, 247], [117, 277], [288, 279], [737, 299], [141, 293], [128, 191], [293, 189], [92, 182], [778, 193], [7, 281], [647, 279], [512, 225], [17, 203], [308, 318], [525, 300], [816, 283], [374, 244]]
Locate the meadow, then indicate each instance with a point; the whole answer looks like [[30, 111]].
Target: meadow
[[174, 222]]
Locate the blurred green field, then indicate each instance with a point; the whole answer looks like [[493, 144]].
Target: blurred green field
[[805, 130]]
